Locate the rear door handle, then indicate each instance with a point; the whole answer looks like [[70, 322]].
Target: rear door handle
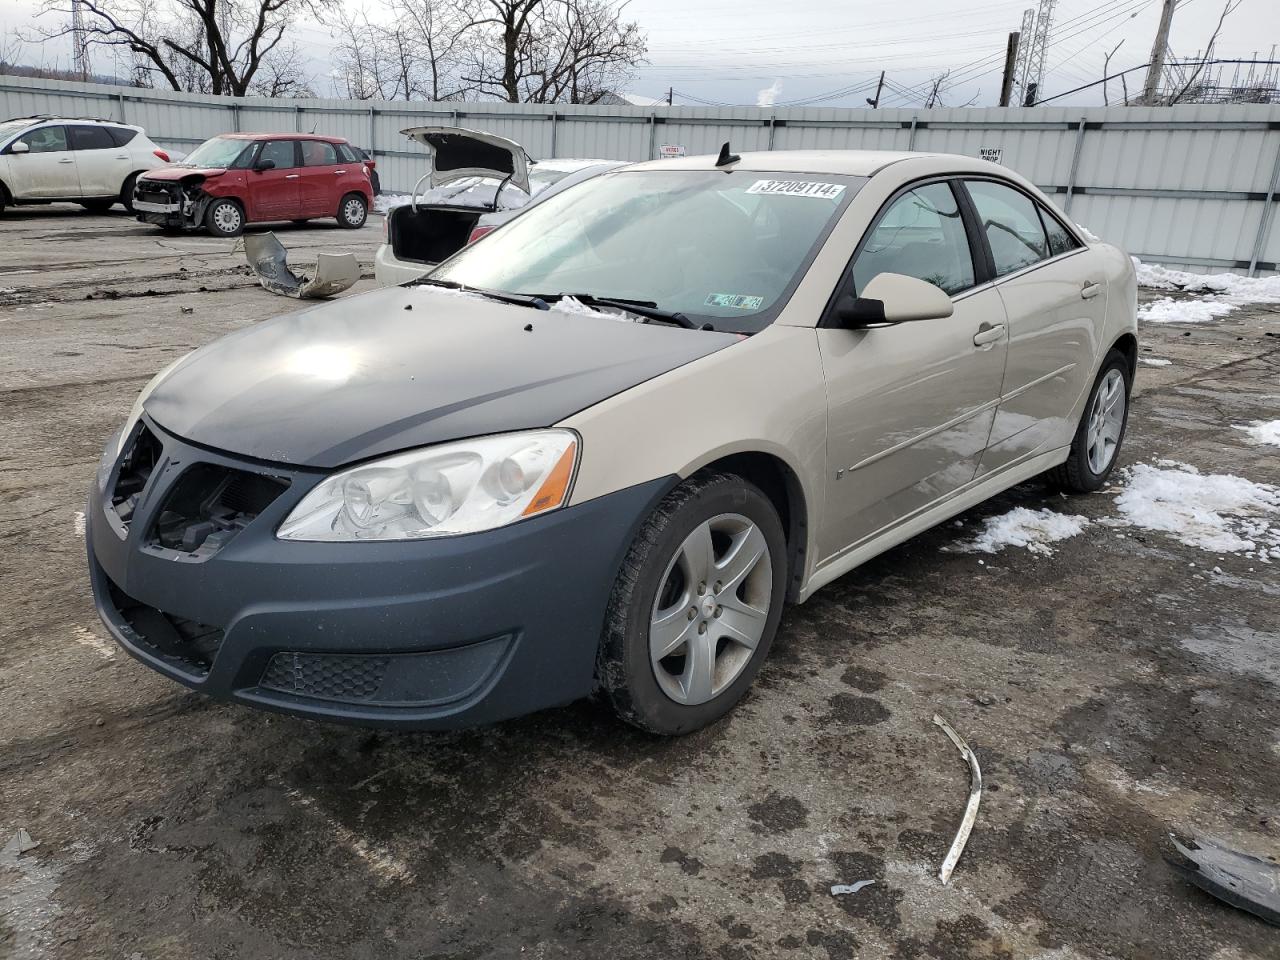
[[336, 172], [66, 160], [988, 334], [1090, 290], [291, 176]]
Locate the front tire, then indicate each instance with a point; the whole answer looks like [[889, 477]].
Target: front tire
[[695, 608], [224, 218], [1095, 448], [352, 211], [97, 206]]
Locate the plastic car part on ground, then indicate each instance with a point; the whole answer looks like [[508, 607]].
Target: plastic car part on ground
[[1240, 879], [970, 810], [335, 272]]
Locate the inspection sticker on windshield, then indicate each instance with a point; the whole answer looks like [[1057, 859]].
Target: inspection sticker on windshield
[[734, 301], [798, 188]]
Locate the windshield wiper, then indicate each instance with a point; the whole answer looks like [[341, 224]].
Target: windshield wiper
[[643, 308], [519, 299]]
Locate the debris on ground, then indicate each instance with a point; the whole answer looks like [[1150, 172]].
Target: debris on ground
[[1240, 879], [971, 808], [842, 889], [19, 844], [1154, 361], [267, 256]]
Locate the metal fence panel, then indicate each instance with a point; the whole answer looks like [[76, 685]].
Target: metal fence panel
[[1185, 185]]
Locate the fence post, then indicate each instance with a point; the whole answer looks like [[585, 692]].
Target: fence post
[[235, 117], [653, 132], [1264, 223], [553, 133], [120, 101], [773, 120], [372, 135], [911, 139], [1075, 166]]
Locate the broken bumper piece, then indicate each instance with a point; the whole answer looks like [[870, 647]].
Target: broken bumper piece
[[1240, 879], [335, 272]]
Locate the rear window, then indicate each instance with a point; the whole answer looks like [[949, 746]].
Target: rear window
[[348, 154], [84, 137], [122, 135]]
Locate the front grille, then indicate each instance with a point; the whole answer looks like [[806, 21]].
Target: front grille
[[135, 469], [183, 644], [150, 192], [325, 676], [209, 505]]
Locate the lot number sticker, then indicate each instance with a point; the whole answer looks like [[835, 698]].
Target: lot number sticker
[[798, 188], [737, 301]]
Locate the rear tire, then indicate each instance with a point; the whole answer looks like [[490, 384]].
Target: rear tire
[[126, 191], [224, 218], [353, 210], [97, 206], [695, 607], [1095, 448]]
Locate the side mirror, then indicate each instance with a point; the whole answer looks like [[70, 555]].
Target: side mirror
[[893, 298], [20, 147], [261, 165]]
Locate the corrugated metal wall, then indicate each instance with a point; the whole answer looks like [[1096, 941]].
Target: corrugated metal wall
[[1187, 185]]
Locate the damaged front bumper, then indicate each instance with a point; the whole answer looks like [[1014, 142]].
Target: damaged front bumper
[[169, 204]]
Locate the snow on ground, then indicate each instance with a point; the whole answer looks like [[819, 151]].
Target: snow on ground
[[1021, 527], [1168, 310], [1234, 289], [1214, 511], [1154, 361], [1263, 431]]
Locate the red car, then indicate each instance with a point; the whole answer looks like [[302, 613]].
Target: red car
[[240, 178]]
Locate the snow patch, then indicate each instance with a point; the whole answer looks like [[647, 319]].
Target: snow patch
[[1021, 527], [87, 638], [77, 523], [1237, 290], [1154, 361], [1089, 234], [1215, 511], [1168, 310], [1263, 431], [574, 305]]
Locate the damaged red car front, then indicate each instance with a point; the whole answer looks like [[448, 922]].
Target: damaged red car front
[[235, 179]]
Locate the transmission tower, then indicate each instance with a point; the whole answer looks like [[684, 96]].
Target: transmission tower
[[1035, 56], [79, 44], [1024, 47]]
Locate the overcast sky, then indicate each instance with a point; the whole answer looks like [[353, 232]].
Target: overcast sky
[[830, 52]]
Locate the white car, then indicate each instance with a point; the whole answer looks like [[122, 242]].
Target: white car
[[475, 183], [89, 162]]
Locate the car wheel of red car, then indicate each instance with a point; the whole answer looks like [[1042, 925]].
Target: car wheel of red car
[[224, 218], [352, 211]]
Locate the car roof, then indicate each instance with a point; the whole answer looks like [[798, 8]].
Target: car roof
[[46, 118], [849, 163], [282, 136]]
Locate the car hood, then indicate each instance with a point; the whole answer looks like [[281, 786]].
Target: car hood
[[178, 173], [457, 153], [405, 367]]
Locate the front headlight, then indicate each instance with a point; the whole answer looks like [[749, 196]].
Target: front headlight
[[135, 412], [440, 491]]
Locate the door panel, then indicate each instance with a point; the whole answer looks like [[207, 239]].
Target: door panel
[[48, 170], [101, 164], [910, 407], [320, 176], [274, 194]]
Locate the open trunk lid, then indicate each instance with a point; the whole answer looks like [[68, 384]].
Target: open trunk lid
[[457, 153]]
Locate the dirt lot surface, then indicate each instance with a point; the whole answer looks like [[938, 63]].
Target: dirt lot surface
[[1116, 690]]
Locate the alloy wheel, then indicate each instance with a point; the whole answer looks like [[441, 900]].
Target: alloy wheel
[[711, 609], [1106, 421]]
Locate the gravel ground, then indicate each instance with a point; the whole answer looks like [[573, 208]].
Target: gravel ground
[[1114, 690]]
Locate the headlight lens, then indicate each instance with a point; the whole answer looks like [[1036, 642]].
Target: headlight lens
[[135, 412], [440, 491]]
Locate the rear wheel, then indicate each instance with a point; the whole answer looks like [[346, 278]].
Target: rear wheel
[[352, 211], [224, 218], [1100, 434], [300, 223], [97, 206], [695, 607], [126, 191]]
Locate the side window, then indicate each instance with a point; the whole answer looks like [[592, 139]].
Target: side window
[[46, 139], [318, 153], [1059, 240], [348, 153], [281, 151], [122, 135], [921, 235], [1011, 225], [85, 137]]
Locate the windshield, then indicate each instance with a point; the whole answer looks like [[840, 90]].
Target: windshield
[[721, 248], [218, 152], [13, 126]]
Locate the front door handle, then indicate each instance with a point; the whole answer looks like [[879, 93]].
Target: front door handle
[[292, 176], [988, 334], [66, 160], [1090, 290]]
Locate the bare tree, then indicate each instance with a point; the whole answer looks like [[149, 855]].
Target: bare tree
[[1229, 7], [417, 54], [210, 46], [1106, 71]]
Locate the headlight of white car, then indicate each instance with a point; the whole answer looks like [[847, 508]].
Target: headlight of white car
[[135, 412], [440, 491]]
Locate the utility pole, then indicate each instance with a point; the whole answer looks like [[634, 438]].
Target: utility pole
[[670, 92], [879, 86], [1010, 61], [1158, 48]]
